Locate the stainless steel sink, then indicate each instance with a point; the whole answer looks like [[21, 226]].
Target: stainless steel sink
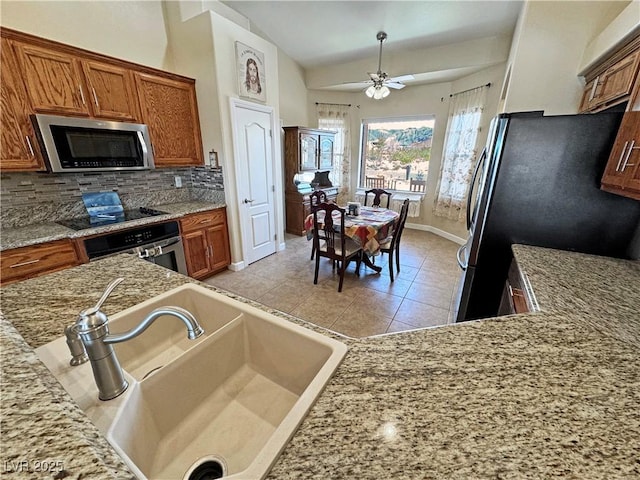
[[234, 397]]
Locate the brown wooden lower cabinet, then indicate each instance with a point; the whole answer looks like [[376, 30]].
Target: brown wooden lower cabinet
[[622, 174], [205, 237], [33, 261]]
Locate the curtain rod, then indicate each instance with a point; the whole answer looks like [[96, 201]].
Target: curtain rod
[[469, 89], [341, 104]]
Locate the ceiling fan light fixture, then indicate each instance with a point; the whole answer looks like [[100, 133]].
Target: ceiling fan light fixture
[[378, 90]]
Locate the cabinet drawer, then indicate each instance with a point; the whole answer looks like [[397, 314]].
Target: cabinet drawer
[[32, 261], [198, 221]]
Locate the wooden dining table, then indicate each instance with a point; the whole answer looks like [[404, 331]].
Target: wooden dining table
[[368, 230]]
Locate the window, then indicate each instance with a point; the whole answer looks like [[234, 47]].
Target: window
[[395, 153]]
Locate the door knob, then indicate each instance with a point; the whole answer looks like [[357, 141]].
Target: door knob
[[247, 201]]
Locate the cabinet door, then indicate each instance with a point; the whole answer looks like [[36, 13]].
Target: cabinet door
[[308, 151], [170, 110], [588, 94], [326, 152], [617, 80], [622, 171], [29, 262], [53, 80], [111, 91], [196, 252], [18, 147], [220, 255]]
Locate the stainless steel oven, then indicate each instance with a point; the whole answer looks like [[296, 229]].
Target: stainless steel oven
[[167, 253], [159, 243]]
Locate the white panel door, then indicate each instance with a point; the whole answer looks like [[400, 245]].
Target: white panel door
[[254, 170]]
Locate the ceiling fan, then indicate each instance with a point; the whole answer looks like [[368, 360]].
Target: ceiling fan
[[381, 81]]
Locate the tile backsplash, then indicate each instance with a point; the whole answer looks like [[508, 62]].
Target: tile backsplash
[[41, 197]]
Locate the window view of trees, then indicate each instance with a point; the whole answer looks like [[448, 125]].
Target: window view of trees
[[396, 153]]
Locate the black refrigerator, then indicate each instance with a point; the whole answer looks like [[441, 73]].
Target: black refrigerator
[[537, 183]]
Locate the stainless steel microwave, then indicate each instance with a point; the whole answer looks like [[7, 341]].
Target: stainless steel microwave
[[74, 144]]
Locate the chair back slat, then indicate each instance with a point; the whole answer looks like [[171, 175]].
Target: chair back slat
[[419, 186], [316, 198], [377, 197], [328, 229]]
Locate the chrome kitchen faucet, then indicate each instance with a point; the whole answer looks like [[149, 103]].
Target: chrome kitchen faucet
[[92, 329]]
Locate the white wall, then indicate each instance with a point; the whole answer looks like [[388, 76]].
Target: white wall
[[547, 52], [131, 30]]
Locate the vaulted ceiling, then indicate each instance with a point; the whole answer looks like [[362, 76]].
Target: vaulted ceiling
[[335, 41]]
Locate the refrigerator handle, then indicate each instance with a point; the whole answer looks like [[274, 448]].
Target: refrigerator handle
[[483, 157], [459, 256]]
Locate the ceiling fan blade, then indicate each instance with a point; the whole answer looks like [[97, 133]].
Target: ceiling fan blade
[[374, 76], [395, 85], [401, 78]]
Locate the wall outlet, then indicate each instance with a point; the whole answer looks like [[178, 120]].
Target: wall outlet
[[178, 181]]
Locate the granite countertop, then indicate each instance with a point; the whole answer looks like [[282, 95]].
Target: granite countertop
[[550, 394], [50, 231]]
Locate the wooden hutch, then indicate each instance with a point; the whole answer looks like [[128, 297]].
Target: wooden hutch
[[308, 160]]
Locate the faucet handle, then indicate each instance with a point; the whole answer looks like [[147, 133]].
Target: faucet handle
[[105, 295], [76, 347]]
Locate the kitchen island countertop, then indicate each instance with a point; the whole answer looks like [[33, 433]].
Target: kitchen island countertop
[[555, 393]]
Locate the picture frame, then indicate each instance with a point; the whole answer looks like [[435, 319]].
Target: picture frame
[[250, 69]]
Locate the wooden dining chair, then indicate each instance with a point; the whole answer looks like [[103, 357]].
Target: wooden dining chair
[[374, 182], [315, 199], [392, 243], [377, 197], [419, 186], [331, 242]]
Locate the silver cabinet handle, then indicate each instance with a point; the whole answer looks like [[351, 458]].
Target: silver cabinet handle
[[626, 158], [209, 220], [29, 145], [95, 97], [247, 201], [593, 88], [17, 265], [621, 156], [210, 248], [81, 94]]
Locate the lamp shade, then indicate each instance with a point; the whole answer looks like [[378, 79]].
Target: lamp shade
[[369, 92]]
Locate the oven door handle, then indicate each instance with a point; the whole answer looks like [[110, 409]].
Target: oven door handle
[[170, 242]]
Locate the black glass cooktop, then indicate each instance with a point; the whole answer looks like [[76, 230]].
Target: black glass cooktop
[[82, 223]]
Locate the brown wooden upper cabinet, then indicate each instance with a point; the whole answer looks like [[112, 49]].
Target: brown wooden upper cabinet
[[19, 149], [622, 174], [612, 81], [112, 91], [53, 81], [63, 84], [43, 76], [170, 110]]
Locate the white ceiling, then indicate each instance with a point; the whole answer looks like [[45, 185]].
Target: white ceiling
[[326, 34]]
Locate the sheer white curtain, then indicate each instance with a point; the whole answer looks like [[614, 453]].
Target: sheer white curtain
[[460, 153], [337, 117]]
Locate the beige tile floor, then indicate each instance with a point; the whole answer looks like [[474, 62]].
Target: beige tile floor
[[421, 295]]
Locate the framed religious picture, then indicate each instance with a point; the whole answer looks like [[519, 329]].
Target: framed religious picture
[[251, 73]]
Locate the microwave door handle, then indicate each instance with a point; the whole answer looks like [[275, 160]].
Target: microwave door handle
[[143, 146], [483, 157]]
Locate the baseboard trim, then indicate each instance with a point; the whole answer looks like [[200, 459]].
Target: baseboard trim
[[436, 231], [236, 266]]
